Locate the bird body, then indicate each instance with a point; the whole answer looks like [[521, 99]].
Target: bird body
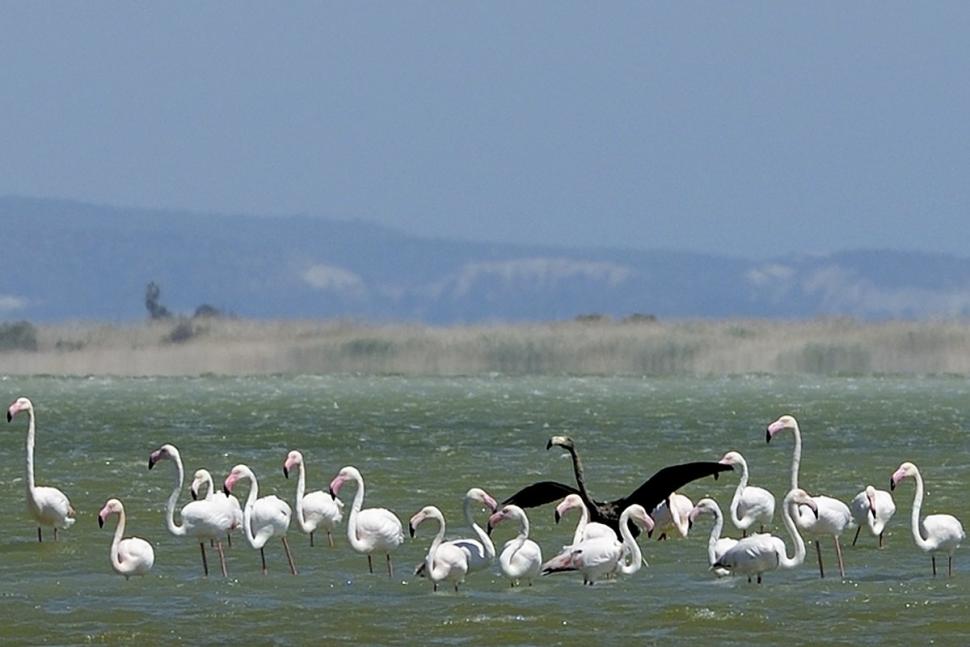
[[521, 558], [263, 517], [872, 509], [935, 533], [48, 506], [131, 555], [585, 529], [751, 505], [316, 510], [716, 545], [371, 530], [444, 561], [233, 510], [672, 514]]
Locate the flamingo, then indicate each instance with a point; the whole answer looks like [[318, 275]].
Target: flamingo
[[833, 516], [585, 529], [203, 478], [314, 510], [444, 561], [716, 545], [872, 508], [649, 494], [263, 517], [374, 530], [47, 505], [600, 558], [750, 504], [201, 520], [672, 514], [521, 557], [944, 532], [131, 555], [762, 552], [480, 550]]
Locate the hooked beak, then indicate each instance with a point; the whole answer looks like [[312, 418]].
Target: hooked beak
[[548, 442], [100, 521], [226, 490], [892, 484], [411, 530], [286, 472], [151, 461], [9, 417], [767, 435], [195, 495], [558, 516]]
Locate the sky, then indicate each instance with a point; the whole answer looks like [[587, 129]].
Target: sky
[[755, 129]]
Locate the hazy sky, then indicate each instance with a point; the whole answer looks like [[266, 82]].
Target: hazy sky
[[750, 128]]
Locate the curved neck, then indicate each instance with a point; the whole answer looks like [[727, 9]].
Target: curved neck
[[30, 452], [173, 498], [580, 476], [429, 562], [479, 532], [211, 492], [119, 533], [715, 535], [254, 541], [783, 560], [635, 556], [736, 501], [300, 490], [517, 542], [355, 542], [581, 526], [917, 507], [796, 457]]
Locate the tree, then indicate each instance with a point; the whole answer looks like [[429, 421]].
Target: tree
[[155, 309]]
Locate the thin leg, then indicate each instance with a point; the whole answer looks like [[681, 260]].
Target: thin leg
[[205, 563], [289, 557], [856, 538], [759, 578], [933, 559], [818, 549], [311, 539], [744, 533], [880, 540], [950, 566], [229, 539], [434, 587], [330, 538], [222, 558], [838, 552], [370, 564], [262, 556], [40, 536], [456, 587], [762, 529], [55, 533], [390, 567]]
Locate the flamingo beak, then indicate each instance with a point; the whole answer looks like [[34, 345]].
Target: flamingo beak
[[548, 442], [9, 416], [557, 515], [411, 530], [286, 472], [892, 484], [100, 521], [195, 495], [767, 435]]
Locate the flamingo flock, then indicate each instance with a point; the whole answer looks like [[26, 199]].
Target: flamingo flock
[[603, 545]]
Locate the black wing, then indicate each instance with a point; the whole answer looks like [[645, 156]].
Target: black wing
[[659, 486], [540, 493]]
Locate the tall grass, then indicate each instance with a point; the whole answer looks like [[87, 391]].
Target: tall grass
[[235, 347]]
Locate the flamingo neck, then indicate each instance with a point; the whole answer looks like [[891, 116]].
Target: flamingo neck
[[917, 507], [119, 533], [300, 490], [796, 457], [517, 542], [352, 537], [481, 534], [580, 477], [736, 501], [178, 531], [248, 513], [715, 535], [30, 453], [211, 492], [429, 562], [629, 543], [790, 507], [581, 526]]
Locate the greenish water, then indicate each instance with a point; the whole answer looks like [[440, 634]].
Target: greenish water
[[426, 441]]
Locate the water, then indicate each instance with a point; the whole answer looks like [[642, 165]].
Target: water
[[426, 441]]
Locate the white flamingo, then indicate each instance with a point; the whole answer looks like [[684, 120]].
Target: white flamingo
[[374, 530], [480, 549], [131, 555], [833, 516], [316, 510], [444, 561], [48, 506], [873, 509], [201, 520], [672, 514], [600, 558], [944, 532], [263, 517], [762, 552], [716, 544], [751, 505], [521, 557], [584, 529], [203, 479]]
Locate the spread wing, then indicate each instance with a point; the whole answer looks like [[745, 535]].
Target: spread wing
[[540, 493], [659, 486]]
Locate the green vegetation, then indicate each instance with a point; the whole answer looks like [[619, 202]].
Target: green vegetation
[[18, 335]]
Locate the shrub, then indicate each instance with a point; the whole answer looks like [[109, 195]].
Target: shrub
[[18, 335], [182, 332]]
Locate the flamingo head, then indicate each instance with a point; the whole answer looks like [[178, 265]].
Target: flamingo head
[[871, 497], [293, 459], [704, 505], [799, 496], [497, 518], [18, 405], [571, 502], [238, 473], [346, 474], [638, 514], [200, 478], [904, 470], [732, 459], [164, 452], [482, 497], [561, 441], [785, 422], [112, 506], [425, 513]]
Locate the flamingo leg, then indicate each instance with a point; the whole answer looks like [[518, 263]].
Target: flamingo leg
[[55, 533], [759, 578], [933, 559], [262, 556], [880, 540], [838, 552], [370, 564], [330, 538], [205, 564], [744, 533], [856, 538], [311, 539], [40, 537], [229, 539], [222, 558], [950, 566], [818, 549], [289, 557], [434, 587], [390, 567]]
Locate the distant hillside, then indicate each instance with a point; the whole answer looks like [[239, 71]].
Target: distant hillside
[[68, 260]]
